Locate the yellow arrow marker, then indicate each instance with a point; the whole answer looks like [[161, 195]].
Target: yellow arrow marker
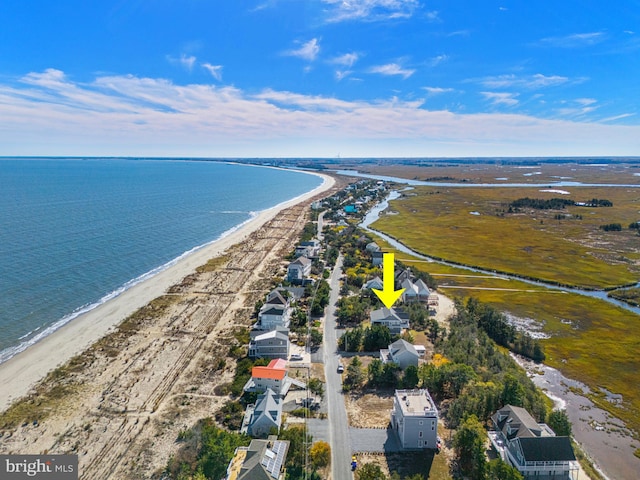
[[388, 295]]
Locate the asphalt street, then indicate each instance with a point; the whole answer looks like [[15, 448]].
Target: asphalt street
[[338, 425]]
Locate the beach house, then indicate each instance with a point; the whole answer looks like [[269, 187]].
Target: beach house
[[261, 460], [372, 247], [276, 312], [375, 282], [402, 353], [532, 447], [310, 249], [299, 270], [410, 293], [272, 344], [274, 376], [414, 419], [395, 319], [266, 414], [377, 258]]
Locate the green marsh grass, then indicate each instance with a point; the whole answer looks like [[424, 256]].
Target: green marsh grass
[[591, 340], [533, 244]]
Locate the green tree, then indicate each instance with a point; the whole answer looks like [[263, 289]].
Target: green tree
[[297, 445], [410, 378], [217, 449], [315, 337], [559, 423], [376, 337], [351, 339], [370, 471], [499, 470], [513, 392], [374, 372], [316, 386], [468, 443], [355, 374]]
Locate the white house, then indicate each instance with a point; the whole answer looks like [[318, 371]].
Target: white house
[[410, 293], [274, 376], [423, 290], [414, 418], [298, 270], [532, 447], [401, 353], [273, 344], [396, 320], [272, 316]]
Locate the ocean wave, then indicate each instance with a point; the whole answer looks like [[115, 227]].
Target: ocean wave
[[10, 352]]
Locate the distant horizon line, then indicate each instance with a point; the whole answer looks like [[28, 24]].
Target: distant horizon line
[[334, 159]]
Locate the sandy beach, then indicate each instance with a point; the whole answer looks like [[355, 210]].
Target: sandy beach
[[20, 373]]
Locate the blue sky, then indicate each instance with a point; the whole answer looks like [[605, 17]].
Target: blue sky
[[319, 78]]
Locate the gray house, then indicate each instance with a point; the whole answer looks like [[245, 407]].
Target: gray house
[[298, 270], [396, 320], [264, 415], [401, 353], [261, 460], [377, 258], [414, 418], [372, 247], [532, 447], [375, 282], [273, 344]]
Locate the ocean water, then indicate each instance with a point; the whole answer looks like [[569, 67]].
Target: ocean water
[[74, 233]]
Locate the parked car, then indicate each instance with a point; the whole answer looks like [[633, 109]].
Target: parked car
[[340, 368], [296, 356]]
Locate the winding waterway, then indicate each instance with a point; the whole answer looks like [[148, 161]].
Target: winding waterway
[[374, 214]]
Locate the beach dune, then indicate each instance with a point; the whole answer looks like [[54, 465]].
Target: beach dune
[[20, 373]]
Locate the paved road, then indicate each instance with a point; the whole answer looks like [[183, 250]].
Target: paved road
[[320, 225], [338, 424]]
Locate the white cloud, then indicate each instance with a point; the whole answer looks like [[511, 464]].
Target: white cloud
[[214, 70], [501, 98], [47, 113], [370, 10], [341, 74], [433, 16], [617, 117], [529, 81], [187, 62], [437, 60], [392, 69], [348, 59], [573, 40], [586, 101], [308, 51], [437, 90]]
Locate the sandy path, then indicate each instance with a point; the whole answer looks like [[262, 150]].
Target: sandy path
[[137, 391]]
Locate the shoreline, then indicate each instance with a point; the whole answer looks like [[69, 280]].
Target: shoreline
[[22, 371]]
